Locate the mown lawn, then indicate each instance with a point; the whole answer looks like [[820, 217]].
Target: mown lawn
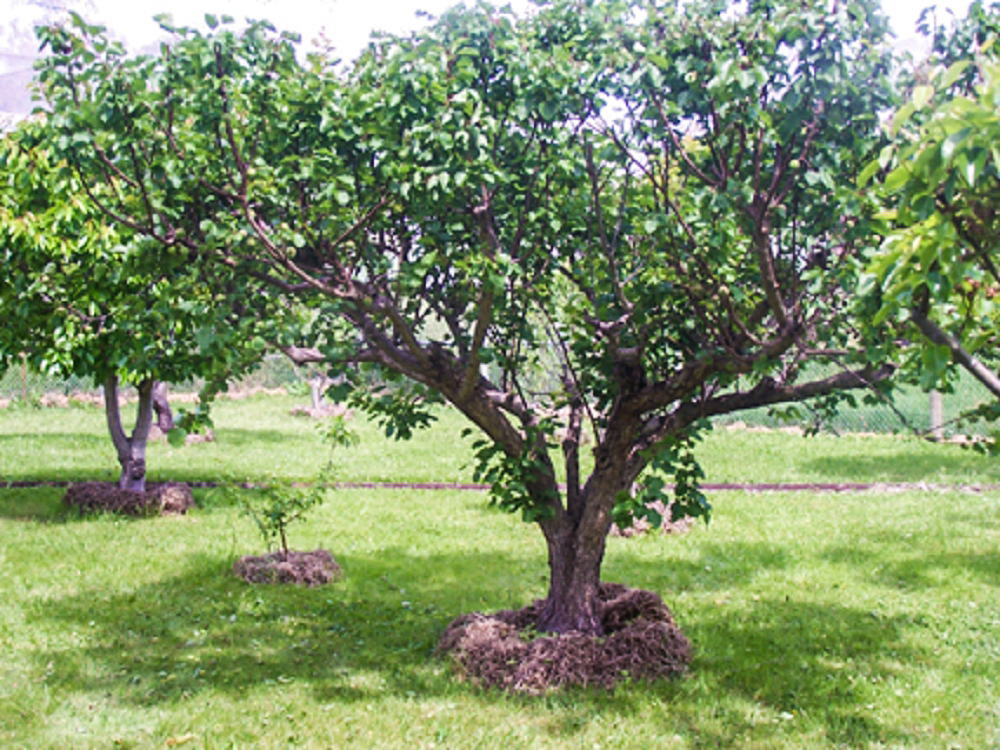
[[854, 620], [257, 439]]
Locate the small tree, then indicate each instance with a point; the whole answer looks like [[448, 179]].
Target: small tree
[[657, 204], [280, 503]]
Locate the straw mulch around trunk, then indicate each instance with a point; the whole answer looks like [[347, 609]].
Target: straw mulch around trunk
[[106, 497], [641, 641], [305, 568]]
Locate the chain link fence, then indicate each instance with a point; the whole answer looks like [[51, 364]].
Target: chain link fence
[[910, 410]]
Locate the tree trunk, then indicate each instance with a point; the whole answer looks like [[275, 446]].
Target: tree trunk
[[164, 416], [576, 551], [131, 450]]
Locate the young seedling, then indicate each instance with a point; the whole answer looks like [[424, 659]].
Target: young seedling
[[281, 503]]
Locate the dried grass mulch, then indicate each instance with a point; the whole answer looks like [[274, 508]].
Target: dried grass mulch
[[106, 497], [314, 568], [641, 642]]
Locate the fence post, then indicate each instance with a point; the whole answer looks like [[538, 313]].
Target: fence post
[[937, 415]]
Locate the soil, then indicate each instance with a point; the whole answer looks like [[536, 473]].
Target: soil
[[314, 568], [105, 497], [641, 641]]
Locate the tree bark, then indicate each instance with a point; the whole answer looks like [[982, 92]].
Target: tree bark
[[576, 540], [131, 450], [969, 361], [164, 415], [575, 560]]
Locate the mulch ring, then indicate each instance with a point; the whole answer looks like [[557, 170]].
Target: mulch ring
[[306, 568], [106, 497], [640, 642]]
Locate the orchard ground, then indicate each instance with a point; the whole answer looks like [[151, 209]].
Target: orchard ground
[[849, 619]]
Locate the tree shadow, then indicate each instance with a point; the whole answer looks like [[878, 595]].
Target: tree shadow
[[43, 504], [792, 658], [917, 569], [38, 504], [203, 627], [375, 632]]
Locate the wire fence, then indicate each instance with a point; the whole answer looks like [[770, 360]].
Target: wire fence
[[910, 410]]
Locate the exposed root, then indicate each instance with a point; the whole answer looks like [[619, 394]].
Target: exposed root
[[104, 497], [641, 642], [306, 568]]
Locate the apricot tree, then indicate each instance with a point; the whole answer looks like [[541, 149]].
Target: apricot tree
[[605, 221]]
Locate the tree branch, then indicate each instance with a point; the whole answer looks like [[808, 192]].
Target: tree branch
[[966, 359]]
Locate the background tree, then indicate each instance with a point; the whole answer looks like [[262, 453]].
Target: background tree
[[658, 204], [938, 268], [82, 297]]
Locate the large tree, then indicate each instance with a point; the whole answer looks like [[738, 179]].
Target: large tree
[[608, 221]]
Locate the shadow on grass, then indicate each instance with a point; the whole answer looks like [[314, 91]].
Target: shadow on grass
[[40, 504], [373, 634], [44, 505], [897, 564], [805, 661], [203, 627]]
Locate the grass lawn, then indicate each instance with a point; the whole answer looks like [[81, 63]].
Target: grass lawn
[[849, 620], [257, 439]]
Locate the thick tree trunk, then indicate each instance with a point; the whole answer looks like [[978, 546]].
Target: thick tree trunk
[[574, 576], [131, 450], [576, 540]]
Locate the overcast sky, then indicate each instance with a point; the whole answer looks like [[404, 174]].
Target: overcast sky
[[345, 23]]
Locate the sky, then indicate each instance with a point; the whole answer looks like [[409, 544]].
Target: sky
[[345, 23]]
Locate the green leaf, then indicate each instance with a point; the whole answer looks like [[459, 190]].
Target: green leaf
[[921, 96], [974, 168], [953, 72], [897, 178], [177, 437], [658, 60], [902, 116], [952, 142], [867, 173]]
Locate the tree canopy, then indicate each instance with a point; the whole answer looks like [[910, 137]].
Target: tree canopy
[[605, 221], [937, 270]]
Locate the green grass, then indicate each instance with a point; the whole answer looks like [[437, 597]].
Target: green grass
[[851, 620], [258, 439]]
